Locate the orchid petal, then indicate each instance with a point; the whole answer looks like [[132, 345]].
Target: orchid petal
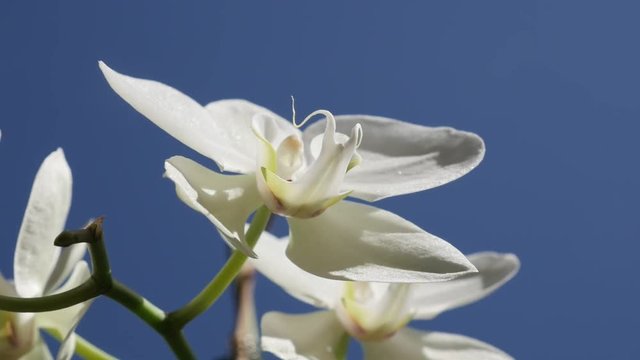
[[410, 344], [65, 320], [311, 336], [69, 257], [40, 351], [235, 116], [401, 158], [494, 270], [273, 263], [226, 200], [44, 219], [183, 118], [357, 242]]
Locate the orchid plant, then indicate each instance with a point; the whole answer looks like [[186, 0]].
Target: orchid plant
[[372, 270]]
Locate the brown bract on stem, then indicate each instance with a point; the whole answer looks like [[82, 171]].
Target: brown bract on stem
[[246, 341]]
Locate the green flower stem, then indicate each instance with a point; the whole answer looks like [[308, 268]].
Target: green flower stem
[[154, 317], [84, 348], [100, 258], [96, 285], [342, 348], [88, 290], [89, 351], [224, 278], [101, 282], [145, 310]]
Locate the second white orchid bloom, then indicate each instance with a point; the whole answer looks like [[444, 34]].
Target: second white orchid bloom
[[40, 268], [375, 314], [305, 175]]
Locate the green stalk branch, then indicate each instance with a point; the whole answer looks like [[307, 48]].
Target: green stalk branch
[[145, 310], [141, 307], [154, 317], [101, 282], [96, 285], [208, 296], [84, 348], [84, 292], [342, 348]]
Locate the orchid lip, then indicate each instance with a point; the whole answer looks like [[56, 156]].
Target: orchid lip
[[291, 187]]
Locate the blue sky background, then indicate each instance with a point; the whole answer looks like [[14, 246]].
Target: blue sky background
[[553, 87]]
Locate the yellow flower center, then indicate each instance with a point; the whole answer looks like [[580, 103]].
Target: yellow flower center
[[374, 311]]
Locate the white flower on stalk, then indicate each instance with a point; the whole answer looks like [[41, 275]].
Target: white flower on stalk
[[40, 268], [375, 314], [305, 175]]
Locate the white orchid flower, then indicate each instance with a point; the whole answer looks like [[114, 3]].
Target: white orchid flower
[[305, 175], [375, 313], [40, 268]]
